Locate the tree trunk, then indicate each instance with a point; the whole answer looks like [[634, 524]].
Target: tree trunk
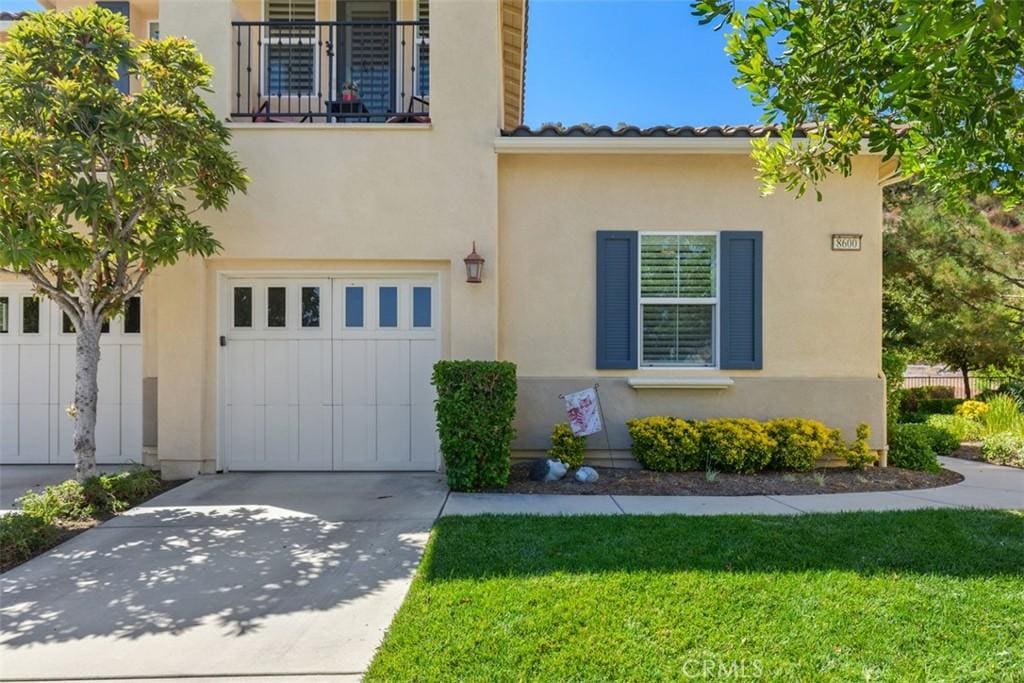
[[87, 360], [967, 381]]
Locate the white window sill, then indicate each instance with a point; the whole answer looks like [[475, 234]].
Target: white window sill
[[639, 383]]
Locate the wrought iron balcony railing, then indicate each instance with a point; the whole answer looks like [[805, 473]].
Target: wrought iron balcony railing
[[331, 71]]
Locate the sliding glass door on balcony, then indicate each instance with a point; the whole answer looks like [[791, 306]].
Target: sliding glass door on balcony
[[366, 60], [365, 64]]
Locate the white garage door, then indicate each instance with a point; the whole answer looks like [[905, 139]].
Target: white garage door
[[37, 382], [330, 374]]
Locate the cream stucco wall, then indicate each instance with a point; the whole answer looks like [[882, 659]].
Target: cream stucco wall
[[331, 198], [822, 309]]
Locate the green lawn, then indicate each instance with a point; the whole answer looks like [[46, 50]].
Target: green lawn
[[934, 595]]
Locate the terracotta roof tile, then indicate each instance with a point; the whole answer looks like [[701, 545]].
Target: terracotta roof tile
[[586, 130]]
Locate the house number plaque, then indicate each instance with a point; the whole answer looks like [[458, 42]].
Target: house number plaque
[[846, 242]]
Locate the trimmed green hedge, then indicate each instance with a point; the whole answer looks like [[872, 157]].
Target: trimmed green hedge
[[671, 444], [910, 447], [476, 404], [737, 445], [667, 444]]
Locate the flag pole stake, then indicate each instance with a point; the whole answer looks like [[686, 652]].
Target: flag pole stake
[[604, 423]]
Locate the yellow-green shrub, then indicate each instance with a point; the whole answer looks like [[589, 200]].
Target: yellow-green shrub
[[566, 446], [737, 444], [972, 410], [799, 442], [666, 444], [858, 454]]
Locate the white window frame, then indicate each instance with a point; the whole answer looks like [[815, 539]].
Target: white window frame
[[265, 56], [714, 301]]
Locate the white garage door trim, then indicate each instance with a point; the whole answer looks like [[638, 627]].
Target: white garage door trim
[[37, 375], [345, 392]]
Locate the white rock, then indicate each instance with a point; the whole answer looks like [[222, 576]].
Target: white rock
[[556, 470], [587, 475]]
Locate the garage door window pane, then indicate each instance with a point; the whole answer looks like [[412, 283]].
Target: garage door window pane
[[133, 316], [277, 315], [311, 307], [388, 307], [5, 314], [243, 307], [30, 315], [68, 327], [421, 306], [353, 307]]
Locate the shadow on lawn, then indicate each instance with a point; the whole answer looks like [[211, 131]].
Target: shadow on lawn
[[961, 543], [175, 568]]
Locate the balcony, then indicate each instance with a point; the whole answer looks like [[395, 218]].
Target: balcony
[[331, 71]]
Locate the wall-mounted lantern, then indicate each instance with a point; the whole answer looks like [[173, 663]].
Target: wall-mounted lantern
[[474, 266]]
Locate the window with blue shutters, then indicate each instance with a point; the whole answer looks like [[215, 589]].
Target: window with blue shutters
[[678, 300]]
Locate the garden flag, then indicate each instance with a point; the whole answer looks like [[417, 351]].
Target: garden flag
[[583, 411]]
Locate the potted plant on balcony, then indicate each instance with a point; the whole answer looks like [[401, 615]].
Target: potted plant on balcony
[[350, 92]]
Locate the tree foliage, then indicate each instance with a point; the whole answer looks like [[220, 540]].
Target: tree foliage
[[936, 83], [953, 283], [98, 188]]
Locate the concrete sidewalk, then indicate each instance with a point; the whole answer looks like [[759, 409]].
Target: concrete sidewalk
[[984, 486]]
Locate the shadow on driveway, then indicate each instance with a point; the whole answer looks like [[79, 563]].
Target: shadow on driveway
[[303, 577]]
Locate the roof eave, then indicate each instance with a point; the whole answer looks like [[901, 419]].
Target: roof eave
[[627, 145]]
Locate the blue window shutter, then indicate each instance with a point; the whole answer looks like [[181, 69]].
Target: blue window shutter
[[123, 8], [617, 299], [741, 285]]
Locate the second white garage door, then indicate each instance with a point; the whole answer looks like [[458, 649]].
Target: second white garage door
[[330, 374]]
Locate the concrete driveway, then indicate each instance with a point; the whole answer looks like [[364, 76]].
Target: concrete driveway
[[244, 575]]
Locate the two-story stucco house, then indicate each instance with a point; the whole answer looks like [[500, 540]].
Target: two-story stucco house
[[384, 143]]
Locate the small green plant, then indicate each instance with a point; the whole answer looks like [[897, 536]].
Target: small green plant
[[22, 536], [66, 500], [711, 475], [737, 444], [910, 448], [962, 428], [109, 493], [971, 410], [666, 444], [476, 405], [799, 442], [566, 446], [1004, 415], [858, 454], [97, 496], [819, 478], [1004, 448]]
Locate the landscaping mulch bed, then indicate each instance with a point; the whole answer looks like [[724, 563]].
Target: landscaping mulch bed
[[634, 482], [969, 450], [68, 529]]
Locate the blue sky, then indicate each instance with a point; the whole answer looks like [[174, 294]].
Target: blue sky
[[644, 62]]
